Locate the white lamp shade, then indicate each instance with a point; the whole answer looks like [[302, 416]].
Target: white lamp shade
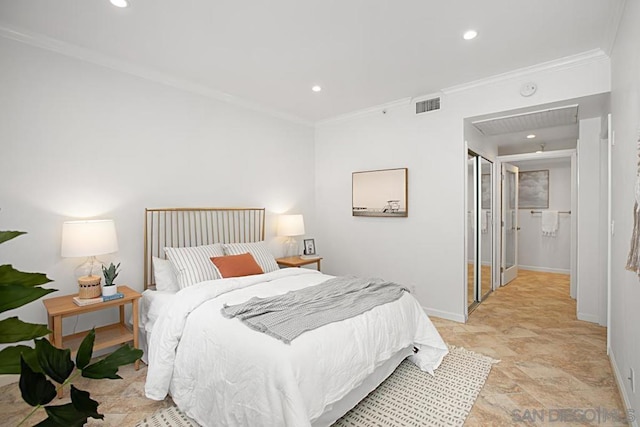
[[290, 225], [88, 238]]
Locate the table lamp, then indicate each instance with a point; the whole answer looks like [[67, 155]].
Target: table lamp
[[88, 239], [291, 226]]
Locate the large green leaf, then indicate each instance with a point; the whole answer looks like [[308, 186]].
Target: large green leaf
[[8, 235], [84, 404], [35, 387], [48, 422], [85, 351], [55, 362], [15, 330], [108, 367], [101, 370], [14, 296], [11, 276], [10, 359], [125, 355], [66, 415]]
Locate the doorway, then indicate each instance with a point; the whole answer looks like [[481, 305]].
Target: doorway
[[566, 129], [536, 251]]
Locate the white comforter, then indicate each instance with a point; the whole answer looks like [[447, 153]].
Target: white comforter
[[220, 372]]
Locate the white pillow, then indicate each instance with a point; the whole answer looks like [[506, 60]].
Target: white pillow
[[164, 275], [193, 265], [259, 250]]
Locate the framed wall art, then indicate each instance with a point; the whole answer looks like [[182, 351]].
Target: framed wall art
[[533, 189], [309, 247], [380, 193]]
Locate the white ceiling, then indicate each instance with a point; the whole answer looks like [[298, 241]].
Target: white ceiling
[[362, 52]]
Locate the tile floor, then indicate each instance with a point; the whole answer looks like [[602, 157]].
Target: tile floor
[[549, 360]]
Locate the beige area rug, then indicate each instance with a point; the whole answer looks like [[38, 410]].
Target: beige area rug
[[409, 397]]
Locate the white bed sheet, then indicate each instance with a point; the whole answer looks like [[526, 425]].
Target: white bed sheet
[[220, 372], [152, 305]]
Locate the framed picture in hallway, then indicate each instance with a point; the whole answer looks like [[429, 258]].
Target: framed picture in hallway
[[533, 189]]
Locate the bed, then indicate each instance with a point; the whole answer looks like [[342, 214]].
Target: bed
[[221, 372]]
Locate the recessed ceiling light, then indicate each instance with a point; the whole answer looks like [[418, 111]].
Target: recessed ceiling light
[[316, 88], [531, 136], [120, 3], [470, 34]]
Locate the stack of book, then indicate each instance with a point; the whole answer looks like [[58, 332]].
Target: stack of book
[[89, 301]]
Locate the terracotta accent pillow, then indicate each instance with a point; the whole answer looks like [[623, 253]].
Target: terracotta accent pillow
[[236, 265]]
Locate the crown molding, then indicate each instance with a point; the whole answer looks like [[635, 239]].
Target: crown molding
[[87, 55], [580, 59]]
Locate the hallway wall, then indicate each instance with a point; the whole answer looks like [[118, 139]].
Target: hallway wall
[[592, 252], [625, 285], [543, 253]]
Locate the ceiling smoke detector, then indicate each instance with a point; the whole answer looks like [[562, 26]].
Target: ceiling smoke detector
[[528, 89], [541, 150]]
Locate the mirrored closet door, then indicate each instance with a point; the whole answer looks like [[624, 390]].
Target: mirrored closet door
[[486, 228], [480, 223], [472, 226]]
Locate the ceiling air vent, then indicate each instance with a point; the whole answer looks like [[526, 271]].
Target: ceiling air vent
[[427, 105]]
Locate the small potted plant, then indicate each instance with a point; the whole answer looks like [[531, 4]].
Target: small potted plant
[[110, 274]]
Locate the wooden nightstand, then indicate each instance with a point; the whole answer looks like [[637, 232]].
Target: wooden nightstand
[[296, 261], [106, 336]]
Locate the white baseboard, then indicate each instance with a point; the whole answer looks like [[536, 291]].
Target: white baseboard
[[544, 269], [621, 388], [8, 379], [588, 318], [444, 314]]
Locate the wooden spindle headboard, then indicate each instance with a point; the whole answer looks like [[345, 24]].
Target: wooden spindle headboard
[[185, 227]]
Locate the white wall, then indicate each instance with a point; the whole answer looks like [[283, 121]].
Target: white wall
[[426, 249], [544, 253], [625, 286], [79, 140], [591, 251]]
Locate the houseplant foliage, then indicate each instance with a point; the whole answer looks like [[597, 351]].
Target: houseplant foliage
[[45, 369], [110, 274]]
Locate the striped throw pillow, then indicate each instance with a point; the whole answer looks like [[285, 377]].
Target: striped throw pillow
[[259, 250], [193, 265]]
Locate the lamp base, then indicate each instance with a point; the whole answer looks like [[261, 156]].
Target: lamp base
[[290, 247], [91, 267]]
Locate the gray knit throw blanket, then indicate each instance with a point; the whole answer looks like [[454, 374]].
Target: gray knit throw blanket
[[287, 316]]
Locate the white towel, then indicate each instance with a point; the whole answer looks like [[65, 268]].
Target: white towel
[[484, 220], [549, 223]]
